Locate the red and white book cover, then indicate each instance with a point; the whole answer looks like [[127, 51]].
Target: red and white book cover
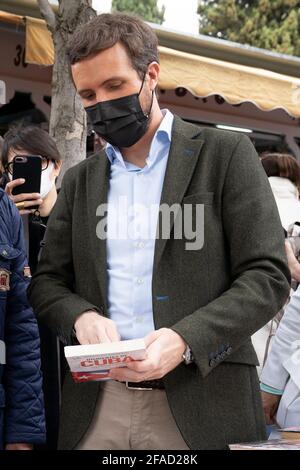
[[92, 362]]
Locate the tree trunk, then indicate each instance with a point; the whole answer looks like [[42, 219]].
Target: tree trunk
[[68, 118]]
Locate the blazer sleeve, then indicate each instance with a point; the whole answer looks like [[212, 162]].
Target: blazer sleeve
[[259, 271], [285, 343], [51, 292]]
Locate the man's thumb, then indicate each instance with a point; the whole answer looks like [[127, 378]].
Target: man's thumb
[[149, 339]]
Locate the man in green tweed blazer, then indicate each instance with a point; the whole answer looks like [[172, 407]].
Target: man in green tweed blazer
[[206, 302]]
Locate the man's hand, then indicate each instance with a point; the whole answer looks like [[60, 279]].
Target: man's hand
[[19, 446], [29, 199], [270, 406], [164, 352], [92, 328]]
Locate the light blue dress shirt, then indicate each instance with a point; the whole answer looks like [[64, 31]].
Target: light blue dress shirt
[[133, 204]]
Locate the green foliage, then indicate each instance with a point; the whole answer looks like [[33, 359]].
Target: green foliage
[[145, 9], [268, 24]]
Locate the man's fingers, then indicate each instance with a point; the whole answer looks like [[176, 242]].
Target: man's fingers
[[149, 339], [102, 336], [92, 337], [113, 333], [82, 339], [141, 366], [148, 365], [123, 374], [96, 337], [87, 337], [93, 328]]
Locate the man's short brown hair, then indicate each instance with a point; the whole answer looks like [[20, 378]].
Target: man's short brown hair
[[106, 30]]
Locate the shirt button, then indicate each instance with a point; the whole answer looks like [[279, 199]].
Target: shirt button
[[140, 281]]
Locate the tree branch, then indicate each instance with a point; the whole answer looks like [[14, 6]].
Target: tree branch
[[47, 13]]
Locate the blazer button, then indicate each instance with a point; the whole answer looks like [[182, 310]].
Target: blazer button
[[212, 362], [229, 350]]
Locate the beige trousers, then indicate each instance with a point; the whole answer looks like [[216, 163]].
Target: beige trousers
[[132, 420]]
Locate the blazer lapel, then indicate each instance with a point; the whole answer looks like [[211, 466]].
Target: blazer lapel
[[97, 193], [183, 156]]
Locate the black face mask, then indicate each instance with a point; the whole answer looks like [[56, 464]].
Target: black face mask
[[121, 122]]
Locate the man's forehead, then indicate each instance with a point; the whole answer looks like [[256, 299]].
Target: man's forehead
[[109, 64], [115, 56]]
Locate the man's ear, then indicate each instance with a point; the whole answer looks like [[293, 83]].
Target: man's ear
[[153, 72]]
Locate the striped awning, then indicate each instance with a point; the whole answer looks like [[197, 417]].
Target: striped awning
[[236, 83]]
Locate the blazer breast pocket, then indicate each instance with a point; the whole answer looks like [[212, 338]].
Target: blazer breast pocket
[[199, 198]]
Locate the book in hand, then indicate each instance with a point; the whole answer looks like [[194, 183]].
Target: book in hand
[[92, 362]]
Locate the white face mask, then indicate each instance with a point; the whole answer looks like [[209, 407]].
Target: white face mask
[[46, 182]]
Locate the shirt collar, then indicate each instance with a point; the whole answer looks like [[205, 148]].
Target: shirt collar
[[163, 135], [166, 124]]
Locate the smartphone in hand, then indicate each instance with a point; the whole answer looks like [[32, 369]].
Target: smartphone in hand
[[28, 167]]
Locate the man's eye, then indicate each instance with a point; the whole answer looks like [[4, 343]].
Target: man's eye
[[115, 86]]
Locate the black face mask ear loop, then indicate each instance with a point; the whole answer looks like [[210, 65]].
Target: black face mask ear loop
[[147, 114], [143, 81]]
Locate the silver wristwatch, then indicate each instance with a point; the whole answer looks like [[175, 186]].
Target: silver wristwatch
[[187, 356]]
